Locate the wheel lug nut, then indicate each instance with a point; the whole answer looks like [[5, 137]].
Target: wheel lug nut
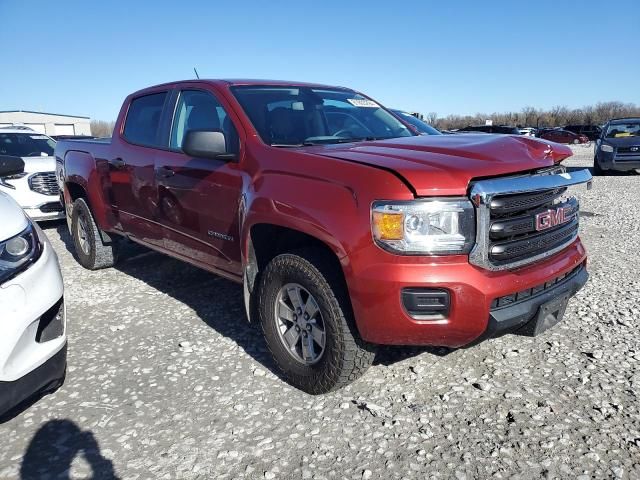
[[306, 316], [309, 326], [297, 328], [295, 318], [299, 311]]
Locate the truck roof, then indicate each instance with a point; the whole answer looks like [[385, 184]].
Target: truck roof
[[246, 82]]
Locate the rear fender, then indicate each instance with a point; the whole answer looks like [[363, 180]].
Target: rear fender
[[93, 177]]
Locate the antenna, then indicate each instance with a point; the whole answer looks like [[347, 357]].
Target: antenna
[[197, 76]]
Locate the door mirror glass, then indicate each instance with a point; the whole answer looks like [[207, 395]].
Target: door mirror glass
[[206, 144], [10, 165]]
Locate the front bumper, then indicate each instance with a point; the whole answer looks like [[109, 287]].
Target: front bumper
[[32, 326], [37, 206], [620, 163], [375, 280], [47, 376], [45, 211]]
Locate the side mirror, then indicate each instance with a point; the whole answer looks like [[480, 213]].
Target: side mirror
[[206, 144], [10, 165]]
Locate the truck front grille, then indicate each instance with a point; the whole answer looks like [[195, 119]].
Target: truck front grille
[[44, 183], [523, 219]]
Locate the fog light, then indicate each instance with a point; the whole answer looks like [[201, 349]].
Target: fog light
[[17, 246], [426, 303]]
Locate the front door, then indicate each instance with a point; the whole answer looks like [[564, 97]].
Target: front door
[[198, 198]]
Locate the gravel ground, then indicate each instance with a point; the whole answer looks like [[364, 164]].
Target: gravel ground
[[166, 380]]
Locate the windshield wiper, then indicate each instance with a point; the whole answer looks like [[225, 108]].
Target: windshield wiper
[[330, 141], [287, 145]]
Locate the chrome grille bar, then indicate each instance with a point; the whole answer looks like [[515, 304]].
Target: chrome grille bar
[[533, 189]]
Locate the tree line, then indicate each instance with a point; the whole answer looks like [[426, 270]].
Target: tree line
[[558, 116], [101, 128]]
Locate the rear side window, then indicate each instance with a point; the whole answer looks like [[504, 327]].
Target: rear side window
[[143, 119]]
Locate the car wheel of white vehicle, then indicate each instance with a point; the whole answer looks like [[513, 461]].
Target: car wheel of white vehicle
[[576, 141], [92, 253], [308, 325]]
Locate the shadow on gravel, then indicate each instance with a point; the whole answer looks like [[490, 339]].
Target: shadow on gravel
[[54, 447], [217, 301]]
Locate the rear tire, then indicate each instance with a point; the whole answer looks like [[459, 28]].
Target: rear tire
[[91, 252], [342, 355], [576, 141]]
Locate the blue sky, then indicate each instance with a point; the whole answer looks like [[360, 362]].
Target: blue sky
[[460, 57]]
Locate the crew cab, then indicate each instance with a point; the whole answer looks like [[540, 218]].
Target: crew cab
[[346, 228]]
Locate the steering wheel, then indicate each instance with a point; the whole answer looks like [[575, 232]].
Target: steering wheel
[[344, 131]]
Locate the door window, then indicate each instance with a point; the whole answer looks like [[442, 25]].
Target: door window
[[198, 110], [143, 119]]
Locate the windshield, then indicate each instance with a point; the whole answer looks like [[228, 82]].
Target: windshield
[[26, 145], [421, 126], [286, 116], [619, 130]]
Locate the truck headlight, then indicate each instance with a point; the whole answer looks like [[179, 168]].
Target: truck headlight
[[606, 148], [18, 252], [424, 226]]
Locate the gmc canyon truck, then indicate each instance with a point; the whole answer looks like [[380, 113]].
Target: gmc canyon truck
[[346, 227]]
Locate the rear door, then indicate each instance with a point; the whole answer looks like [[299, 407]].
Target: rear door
[[199, 198], [131, 168]]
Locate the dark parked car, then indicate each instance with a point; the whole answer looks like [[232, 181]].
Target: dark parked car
[[422, 127], [503, 129], [559, 135], [592, 132], [618, 148]]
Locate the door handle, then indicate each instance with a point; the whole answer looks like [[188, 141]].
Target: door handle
[[118, 163], [165, 172]]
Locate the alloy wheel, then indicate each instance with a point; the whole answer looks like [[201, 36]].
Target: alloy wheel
[[299, 323]]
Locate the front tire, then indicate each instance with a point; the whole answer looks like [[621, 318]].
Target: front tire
[[597, 169], [91, 252], [308, 324]]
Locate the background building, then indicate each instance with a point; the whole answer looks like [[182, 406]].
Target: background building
[[47, 123]]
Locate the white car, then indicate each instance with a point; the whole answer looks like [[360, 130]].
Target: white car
[[527, 131], [33, 341], [35, 189]]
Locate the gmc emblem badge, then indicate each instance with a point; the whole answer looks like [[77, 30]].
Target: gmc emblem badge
[[635, 149], [552, 218]]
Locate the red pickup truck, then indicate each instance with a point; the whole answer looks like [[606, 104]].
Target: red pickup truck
[[346, 228]]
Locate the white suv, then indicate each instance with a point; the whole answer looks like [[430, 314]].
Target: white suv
[[33, 341], [35, 189]]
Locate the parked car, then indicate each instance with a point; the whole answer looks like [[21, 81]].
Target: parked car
[[527, 131], [502, 129], [559, 135], [346, 229], [618, 148], [36, 188], [422, 127], [32, 311], [17, 127], [592, 132]]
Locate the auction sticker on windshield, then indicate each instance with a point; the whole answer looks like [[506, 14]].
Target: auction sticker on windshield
[[362, 102]]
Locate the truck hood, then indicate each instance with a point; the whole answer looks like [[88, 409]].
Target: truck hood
[[445, 164], [13, 218], [39, 164]]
